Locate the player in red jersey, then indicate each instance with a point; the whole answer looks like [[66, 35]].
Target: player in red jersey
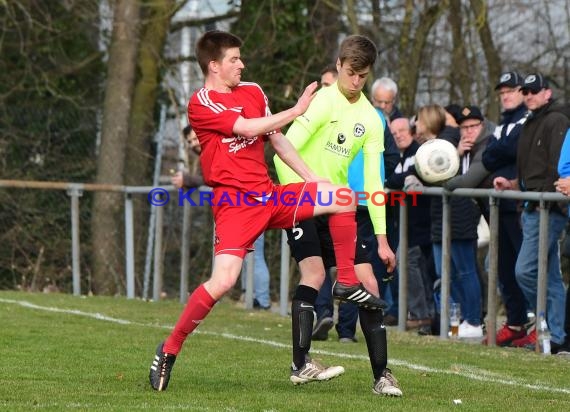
[[232, 121]]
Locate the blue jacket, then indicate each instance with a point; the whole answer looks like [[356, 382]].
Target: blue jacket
[[500, 155], [564, 161]]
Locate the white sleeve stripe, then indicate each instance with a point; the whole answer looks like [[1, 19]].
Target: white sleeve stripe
[[205, 100]]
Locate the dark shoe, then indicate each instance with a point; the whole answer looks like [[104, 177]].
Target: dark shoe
[[558, 349], [390, 320], [359, 295], [257, 305], [322, 327], [424, 330], [160, 369]]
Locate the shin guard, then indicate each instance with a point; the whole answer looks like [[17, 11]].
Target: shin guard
[[372, 324]]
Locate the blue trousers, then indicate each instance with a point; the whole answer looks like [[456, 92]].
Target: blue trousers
[[260, 273], [527, 269], [465, 286]]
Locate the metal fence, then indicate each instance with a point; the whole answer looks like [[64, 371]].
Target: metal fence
[[155, 248]]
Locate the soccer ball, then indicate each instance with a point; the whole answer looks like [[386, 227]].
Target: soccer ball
[[436, 161]]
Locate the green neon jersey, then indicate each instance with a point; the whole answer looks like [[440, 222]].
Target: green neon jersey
[[330, 134]]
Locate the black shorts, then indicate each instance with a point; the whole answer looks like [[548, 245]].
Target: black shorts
[[312, 237]]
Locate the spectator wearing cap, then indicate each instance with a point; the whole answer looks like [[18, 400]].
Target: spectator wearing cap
[[499, 159], [452, 114], [538, 153], [474, 131]]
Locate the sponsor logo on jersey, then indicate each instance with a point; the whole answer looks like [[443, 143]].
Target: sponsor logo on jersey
[[359, 130], [341, 138], [236, 143], [337, 149]]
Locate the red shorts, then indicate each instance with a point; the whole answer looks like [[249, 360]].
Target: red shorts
[[240, 219]]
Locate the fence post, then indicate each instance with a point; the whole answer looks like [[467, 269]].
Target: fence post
[[129, 246], [158, 268], [445, 266], [541, 291], [75, 192], [247, 271], [185, 253], [284, 278], [493, 271], [402, 254]]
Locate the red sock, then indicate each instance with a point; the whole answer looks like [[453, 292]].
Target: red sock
[[197, 308], [343, 232]]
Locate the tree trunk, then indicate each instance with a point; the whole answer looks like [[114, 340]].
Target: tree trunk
[[138, 156], [494, 65], [106, 220], [411, 51], [458, 78]]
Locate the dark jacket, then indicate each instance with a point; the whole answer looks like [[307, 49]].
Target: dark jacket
[[500, 156], [476, 172], [539, 147], [465, 213], [418, 214]]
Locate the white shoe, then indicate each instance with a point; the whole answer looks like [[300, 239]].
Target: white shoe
[[466, 330], [315, 371]]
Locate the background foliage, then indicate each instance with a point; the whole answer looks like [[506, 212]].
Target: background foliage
[[56, 66]]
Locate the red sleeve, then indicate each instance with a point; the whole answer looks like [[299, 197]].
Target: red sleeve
[[206, 114]]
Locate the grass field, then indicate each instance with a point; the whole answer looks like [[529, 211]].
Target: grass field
[[61, 352]]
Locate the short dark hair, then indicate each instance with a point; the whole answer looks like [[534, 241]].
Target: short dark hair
[[186, 131], [359, 51], [329, 68], [213, 45]]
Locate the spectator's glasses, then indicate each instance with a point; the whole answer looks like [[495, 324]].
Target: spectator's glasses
[[525, 92], [470, 126]]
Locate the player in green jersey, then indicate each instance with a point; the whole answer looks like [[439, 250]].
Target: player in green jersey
[[338, 123]]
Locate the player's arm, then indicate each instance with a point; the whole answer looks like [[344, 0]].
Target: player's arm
[[250, 128], [286, 152]]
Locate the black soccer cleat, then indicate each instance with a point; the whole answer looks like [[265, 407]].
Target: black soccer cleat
[[359, 295], [160, 369]]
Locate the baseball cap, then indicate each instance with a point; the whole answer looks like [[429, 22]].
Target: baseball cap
[[454, 110], [470, 112], [509, 79], [535, 82]]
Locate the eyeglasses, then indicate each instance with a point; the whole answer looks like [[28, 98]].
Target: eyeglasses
[[470, 126], [525, 92]]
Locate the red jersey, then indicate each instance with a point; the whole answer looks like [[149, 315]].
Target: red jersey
[[228, 160]]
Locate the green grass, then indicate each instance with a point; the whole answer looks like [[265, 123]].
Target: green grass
[[58, 354]]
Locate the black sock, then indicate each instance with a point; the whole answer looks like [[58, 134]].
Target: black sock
[[372, 324], [302, 315]]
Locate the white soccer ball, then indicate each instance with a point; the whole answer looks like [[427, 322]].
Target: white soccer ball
[[436, 161]]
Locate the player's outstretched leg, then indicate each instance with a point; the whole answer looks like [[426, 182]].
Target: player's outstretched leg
[[359, 295], [197, 308], [304, 369], [160, 369], [372, 323]]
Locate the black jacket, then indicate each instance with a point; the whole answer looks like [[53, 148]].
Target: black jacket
[[539, 147], [465, 213], [418, 214]]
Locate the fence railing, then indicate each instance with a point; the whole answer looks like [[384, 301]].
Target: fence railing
[[75, 191]]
